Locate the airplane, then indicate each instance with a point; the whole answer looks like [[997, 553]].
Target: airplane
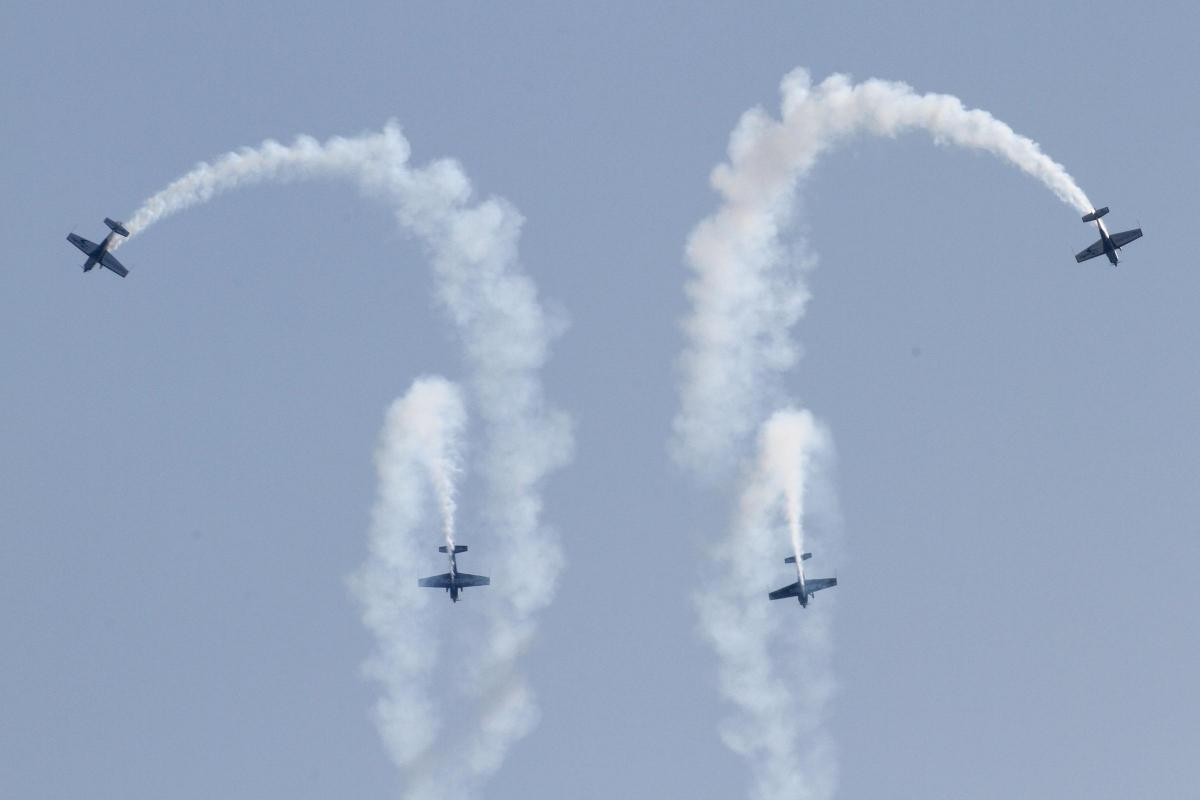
[[803, 588], [1109, 244], [98, 253], [454, 581]]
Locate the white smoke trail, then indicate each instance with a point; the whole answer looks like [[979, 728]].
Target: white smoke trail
[[781, 713], [437, 418], [745, 295], [421, 433], [787, 444], [505, 334]]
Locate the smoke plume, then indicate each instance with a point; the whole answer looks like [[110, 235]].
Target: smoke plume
[[778, 726], [505, 333], [746, 293], [417, 451], [436, 417], [787, 445]]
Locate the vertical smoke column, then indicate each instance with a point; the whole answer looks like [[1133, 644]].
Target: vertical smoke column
[[788, 443], [506, 336], [780, 715], [418, 451], [437, 420]]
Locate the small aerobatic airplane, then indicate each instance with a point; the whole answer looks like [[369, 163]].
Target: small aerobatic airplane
[[1109, 244], [454, 581], [803, 588], [98, 253]]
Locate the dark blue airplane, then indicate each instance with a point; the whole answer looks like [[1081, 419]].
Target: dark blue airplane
[[1109, 244], [98, 253], [454, 581], [803, 588]]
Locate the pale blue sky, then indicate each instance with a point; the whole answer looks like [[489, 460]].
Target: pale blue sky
[[186, 464]]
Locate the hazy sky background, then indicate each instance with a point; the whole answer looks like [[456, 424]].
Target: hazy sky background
[[185, 455]]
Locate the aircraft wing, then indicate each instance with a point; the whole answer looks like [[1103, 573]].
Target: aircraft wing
[[787, 591], [473, 580], [1125, 237], [82, 243], [111, 262], [437, 581], [817, 584], [1096, 249]]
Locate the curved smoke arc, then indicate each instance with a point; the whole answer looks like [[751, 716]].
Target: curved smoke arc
[[506, 333], [745, 293]]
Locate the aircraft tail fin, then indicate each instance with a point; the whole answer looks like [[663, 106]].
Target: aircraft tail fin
[[458, 548], [792, 559], [117, 227], [1095, 215]]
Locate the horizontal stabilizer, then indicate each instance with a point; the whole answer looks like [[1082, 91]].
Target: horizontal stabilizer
[[792, 559], [1095, 215], [116, 227], [458, 548]]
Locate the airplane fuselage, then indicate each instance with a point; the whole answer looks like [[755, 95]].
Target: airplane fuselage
[[1109, 250], [453, 578], [97, 254]]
